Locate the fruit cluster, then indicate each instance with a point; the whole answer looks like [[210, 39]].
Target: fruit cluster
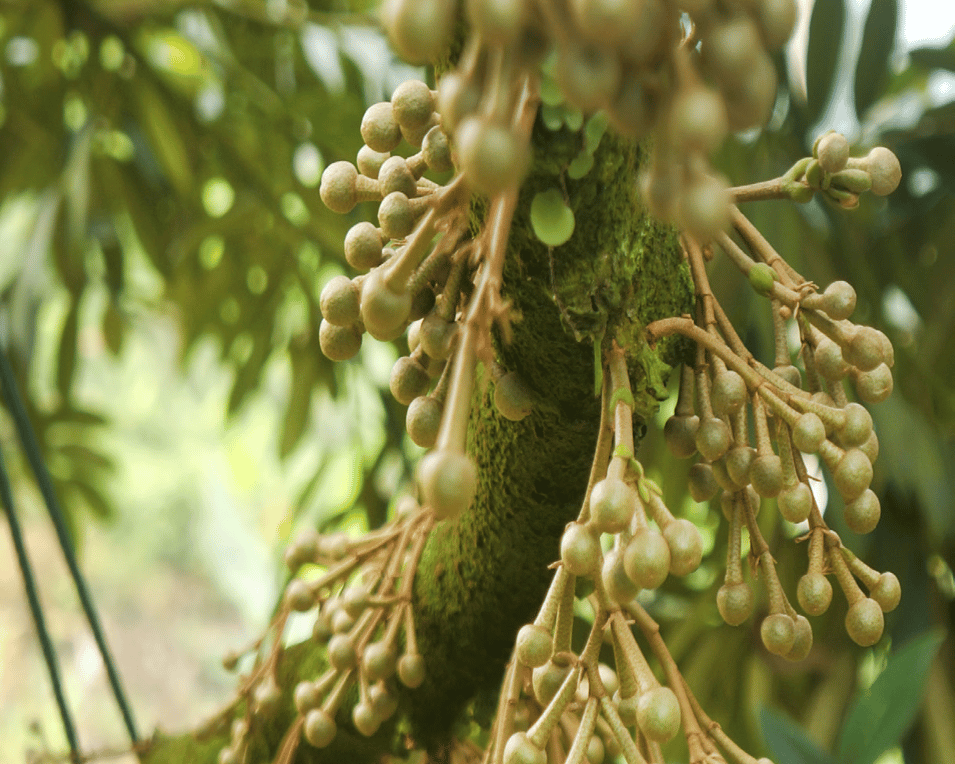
[[801, 410], [360, 593]]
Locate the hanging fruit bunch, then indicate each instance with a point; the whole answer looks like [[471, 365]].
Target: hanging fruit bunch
[[446, 168]]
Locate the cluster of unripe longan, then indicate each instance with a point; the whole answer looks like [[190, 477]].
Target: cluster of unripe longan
[[360, 593]]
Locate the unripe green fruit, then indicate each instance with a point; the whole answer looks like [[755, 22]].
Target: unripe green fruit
[[865, 350], [871, 447], [795, 502], [803, 641], [548, 678], [853, 474], [354, 599], [766, 475], [730, 50], [370, 161], [735, 602], [722, 476], [658, 714], [596, 752], [520, 750], [534, 645], [412, 104], [396, 216], [448, 482], [409, 380], [705, 207], [728, 393], [338, 187], [395, 175], [342, 621], [679, 432], [751, 102], [777, 19], [863, 513], [411, 671], [299, 595], [436, 150], [864, 622], [379, 129], [874, 386], [499, 22], [383, 312], [363, 247], [698, 120], [612, 503], [306, 697], [338, 343], [266, 697], [646, 558], [588, 75], [790, 373], [814, 593], [512, 397], [739, 460], [885, 170], [580, 550], [341, 653], [761, 278], [457, 98], [615, 579], [379, 661], [492, 157], [809, 433], [420, 31], [832, 151], [858, 426], [887, 592], [365, 719], [713, 438], [701, 482], [839, 300], [778, 632], [829, 361], [339, 301], [384, 702], [319, 728], [686, 546], [423, 421], [627, 709]]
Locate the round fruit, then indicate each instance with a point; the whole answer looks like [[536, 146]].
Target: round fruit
[[862, 514], [448, 482], [580, 550], [534, 645], [411, 671], [646, 558], [686, 546], [612, 503], [319, 728], [814, 593], [658, 714], [778, 632], [735, 602], [864, 622]]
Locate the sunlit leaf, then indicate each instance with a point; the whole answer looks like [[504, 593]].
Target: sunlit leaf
[[880, 716], [825, 42], [878, 40]]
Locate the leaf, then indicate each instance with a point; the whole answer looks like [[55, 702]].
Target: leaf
[[934, 58], [880, 716], [66, 362], [788, 743], [878, 39], [825, 41]]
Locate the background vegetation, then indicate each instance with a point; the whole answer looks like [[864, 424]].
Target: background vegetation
[[163, 251]]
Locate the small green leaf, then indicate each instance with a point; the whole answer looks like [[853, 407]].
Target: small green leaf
[[580, 165], [825, 41], [788, 743], [551, 219], [878, 39], [881, 715]]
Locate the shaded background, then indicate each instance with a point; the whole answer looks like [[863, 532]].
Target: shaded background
[[163, 249]]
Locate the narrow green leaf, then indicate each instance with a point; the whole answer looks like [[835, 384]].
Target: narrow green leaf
[[66, 360], [880, 716], [934, 58], [788, 743], [878, 40], [825, 41]]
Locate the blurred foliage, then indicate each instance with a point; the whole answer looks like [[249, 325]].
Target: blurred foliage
[[164, 157]]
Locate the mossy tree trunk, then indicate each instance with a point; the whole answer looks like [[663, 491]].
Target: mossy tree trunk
[[483, 576]]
